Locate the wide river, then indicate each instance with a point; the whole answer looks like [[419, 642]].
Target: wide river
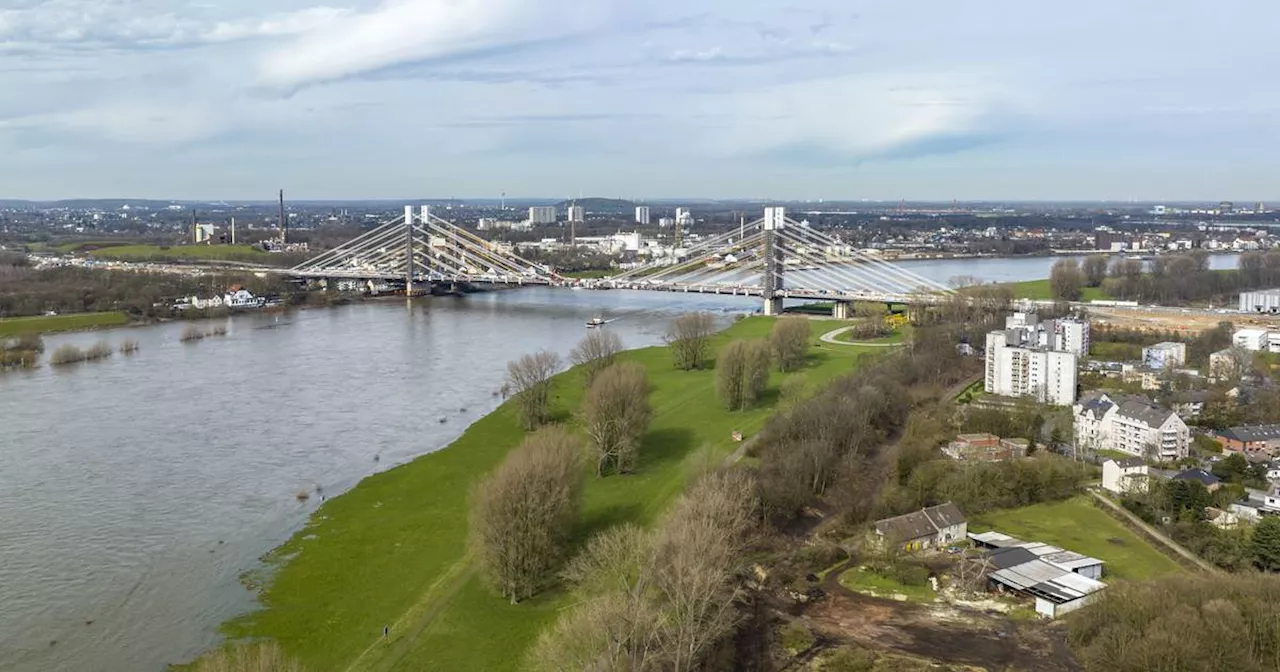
[[135, 491]]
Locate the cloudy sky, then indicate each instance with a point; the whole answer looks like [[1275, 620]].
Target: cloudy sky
[[837, 99]]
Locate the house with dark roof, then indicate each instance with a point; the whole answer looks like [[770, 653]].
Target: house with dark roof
[[1130, 424], [1263, 440], [932, 527], [1200, 476]]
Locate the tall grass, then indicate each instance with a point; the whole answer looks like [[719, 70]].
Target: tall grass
[[191, 334], [21, 352], [70, 354], [254, 657], [217, 331], [128, 347]]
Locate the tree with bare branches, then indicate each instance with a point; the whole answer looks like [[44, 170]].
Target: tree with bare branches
[[522, 513], [657, 600], [529, 379], [616, 414], [742, 373], [790, 339], [596, 352], [689, 338]]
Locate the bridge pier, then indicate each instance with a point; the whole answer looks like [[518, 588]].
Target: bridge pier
[[842, 310], [773, 305]]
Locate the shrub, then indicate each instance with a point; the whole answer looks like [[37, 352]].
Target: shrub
[[795, 638], [910, 574], [66, 354], [191, 334], [849, 659], [128, 347]]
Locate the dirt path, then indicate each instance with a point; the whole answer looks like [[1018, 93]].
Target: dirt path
[[938, 631], [1121, 512]]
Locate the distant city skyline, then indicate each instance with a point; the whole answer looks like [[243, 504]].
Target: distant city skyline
[[821, 99]]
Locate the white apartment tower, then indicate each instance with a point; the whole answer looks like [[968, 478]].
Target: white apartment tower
[[576, 213], [543, 214], [642, 214], [1049, 376], [683, 217]]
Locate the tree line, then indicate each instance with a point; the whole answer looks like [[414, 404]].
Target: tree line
[[1169, 279]]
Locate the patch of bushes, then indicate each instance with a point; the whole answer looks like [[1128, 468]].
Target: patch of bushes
[[796, 639], [70, 354]]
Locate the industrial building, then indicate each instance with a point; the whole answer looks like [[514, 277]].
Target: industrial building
[[1060, 581], [1262, 301], [542, 214]]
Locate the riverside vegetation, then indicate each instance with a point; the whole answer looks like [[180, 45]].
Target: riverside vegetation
[[394, 551]]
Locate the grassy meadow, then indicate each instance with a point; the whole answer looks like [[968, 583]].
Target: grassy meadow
[[392, 551], [12, 326]]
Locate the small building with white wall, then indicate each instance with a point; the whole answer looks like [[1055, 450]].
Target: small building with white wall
[[1125, 476]]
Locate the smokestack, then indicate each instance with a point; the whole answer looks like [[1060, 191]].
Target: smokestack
[[284, 223], [233, 230], [195, 228]]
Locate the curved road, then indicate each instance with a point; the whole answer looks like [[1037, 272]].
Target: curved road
[[830, 337]]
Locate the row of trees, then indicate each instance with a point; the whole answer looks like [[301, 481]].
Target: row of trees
[[1182, 622], [1169, 279], [661, 599]]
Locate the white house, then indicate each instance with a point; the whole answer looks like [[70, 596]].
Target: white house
[[1254, 340], [1125, 476], [239, 297], [1130, 424]]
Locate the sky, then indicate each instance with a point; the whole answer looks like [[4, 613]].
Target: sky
[[795, 99]]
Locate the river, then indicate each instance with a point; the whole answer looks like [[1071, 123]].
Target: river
[[135, 491]]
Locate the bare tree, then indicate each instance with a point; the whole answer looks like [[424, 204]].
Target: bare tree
[[522, 514], [790, 339], [1065, 280], [689, 337], [616, 414], [657, 600], [742, 373], [596, 352], [529, 379], [1095, 270]]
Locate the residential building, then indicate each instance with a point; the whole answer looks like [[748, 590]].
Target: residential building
[[683, 217], [1046, 375], [1225, 520], [933, 527], [1271, 501], [1125, 476], [1253, 340], [1060, 581], [576, 213], [985, 448], [1262, 301], [1063, 335], [1198, 475], [1130, 424], [1189, 404], [1230, 363], [542, 214], [666, 222], [1165, 355], [1251, 440], [642, 214]]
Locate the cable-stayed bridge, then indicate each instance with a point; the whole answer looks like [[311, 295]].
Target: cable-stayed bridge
[[773, 257]]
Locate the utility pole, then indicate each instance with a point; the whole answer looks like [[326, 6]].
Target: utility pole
[[284, 223]]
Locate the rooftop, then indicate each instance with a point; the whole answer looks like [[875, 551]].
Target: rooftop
[[922, 523], [1250, 433], [1128, 462]]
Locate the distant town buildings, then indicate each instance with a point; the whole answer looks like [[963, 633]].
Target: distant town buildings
[[576, 213], [642, 214], [542, 214], [683, 217], [1165, 355], [1130, 424]]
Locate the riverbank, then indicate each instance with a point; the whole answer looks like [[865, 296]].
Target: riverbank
[[392, 551], [44, 324]]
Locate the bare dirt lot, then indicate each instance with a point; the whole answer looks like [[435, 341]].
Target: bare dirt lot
[[938, 631]]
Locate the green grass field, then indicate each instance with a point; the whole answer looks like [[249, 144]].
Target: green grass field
[[393, 550], [861, 580], [1077, 525], [202, 252], [11, 326], [1038, 290]]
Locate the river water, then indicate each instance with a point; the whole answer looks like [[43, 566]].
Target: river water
[[135, 491]]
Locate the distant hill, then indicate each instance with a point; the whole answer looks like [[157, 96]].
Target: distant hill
[[614, 206]]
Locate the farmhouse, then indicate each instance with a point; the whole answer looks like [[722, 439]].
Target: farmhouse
[[932, 527]]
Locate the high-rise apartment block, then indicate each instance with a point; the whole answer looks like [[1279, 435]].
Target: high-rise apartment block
[[576, 213], [642, 214], [542, 214], [1030, 358]]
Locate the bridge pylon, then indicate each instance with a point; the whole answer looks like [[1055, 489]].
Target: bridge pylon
[[775, 220]]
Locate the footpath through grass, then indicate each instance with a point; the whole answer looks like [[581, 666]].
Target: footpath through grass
[[392, 552], [1077, 525], [12, 326]]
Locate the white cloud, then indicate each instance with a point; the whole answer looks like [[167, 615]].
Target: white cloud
[[407, 31]]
